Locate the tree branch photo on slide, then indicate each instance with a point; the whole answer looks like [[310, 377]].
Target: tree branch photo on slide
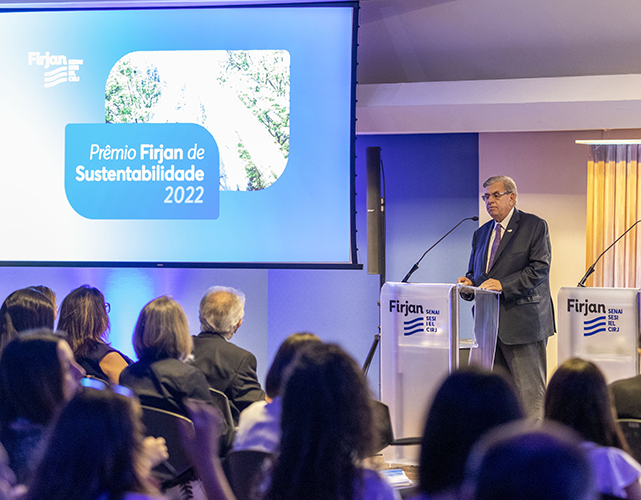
[[240, 96]]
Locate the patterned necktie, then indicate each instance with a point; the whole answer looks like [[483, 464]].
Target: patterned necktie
[[495, 247]]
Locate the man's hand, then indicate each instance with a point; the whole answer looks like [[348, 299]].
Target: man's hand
[[492, 284], [465, 281]]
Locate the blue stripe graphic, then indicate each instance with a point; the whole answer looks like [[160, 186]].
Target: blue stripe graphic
[[413, 326], [594, 326], [599, 318], [412, 332]]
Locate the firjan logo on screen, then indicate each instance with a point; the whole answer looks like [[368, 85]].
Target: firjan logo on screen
[[142, 171], [58, 68]]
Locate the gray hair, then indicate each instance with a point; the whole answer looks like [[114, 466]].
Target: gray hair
[[221, 309], [508, 182]]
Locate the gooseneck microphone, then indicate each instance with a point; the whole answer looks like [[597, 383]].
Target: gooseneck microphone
[[415, 266], [591, 268]]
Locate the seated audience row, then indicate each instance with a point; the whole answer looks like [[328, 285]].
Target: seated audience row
[[578, 452], [317, 420], [84, 320]]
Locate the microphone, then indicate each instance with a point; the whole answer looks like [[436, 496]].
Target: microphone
[[415, 266], [591, 268]]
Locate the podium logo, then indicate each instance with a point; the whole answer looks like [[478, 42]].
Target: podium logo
[[405, 308], [585, 307], [413, 326]]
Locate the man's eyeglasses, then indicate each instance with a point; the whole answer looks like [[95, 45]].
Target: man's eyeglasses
[[494, 196]]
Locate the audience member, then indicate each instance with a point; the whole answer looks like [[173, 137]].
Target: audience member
[[38, 375], [627, 397], [24, 309], [228, 368], [161, 378], [470, 402], [327, 430], [50, 294], [259, 424], [528, 461], [578, 397], [95, 451], [84, 318]]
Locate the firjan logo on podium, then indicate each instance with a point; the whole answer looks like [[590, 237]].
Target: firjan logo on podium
[[426, 322], [606, 319]]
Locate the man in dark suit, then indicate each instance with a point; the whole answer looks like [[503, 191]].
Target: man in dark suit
[[511, 254], [228, 368]]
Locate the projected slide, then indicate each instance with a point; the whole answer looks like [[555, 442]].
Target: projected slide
[[191, 136]]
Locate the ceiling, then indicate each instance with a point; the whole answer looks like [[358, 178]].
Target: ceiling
[[448, 40]]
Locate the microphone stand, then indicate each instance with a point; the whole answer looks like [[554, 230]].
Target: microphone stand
[[591, 268], [415, 266]]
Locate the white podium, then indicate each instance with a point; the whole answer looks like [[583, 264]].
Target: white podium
[[421, 334], [602, 326]]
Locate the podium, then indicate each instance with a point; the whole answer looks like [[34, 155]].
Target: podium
[[601, 325], [423, 326]]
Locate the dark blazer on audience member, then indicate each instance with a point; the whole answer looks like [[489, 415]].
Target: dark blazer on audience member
[[229, 369], [627, 397], [164, 383]]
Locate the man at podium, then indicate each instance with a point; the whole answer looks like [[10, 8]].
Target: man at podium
[[511, 254]]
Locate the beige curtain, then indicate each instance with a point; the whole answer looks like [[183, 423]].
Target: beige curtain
[[614, 204]]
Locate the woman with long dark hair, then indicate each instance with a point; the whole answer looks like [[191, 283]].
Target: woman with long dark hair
[[85, 321], [577, 396], [24, 309], [469, 403], [327, 431], [95, 450], [38, 375]]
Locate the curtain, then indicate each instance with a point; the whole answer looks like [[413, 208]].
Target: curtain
[[614, 204]]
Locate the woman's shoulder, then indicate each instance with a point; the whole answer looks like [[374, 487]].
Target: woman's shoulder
[[611, 455], [613, 468]]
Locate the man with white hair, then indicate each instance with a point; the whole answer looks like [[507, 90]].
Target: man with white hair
[[228, 368]]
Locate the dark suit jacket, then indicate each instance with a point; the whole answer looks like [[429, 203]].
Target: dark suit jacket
[[165, 383], [228, 368], [627, 397], [522, 265]]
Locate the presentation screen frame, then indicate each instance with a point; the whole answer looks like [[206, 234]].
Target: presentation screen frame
[[78, 136]]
